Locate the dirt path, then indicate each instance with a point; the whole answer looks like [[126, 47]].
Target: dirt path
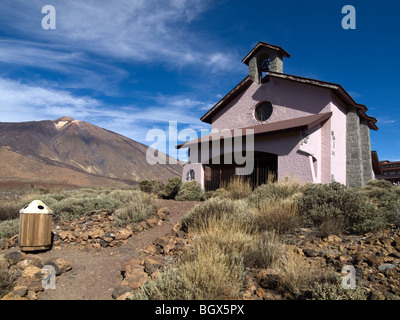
[[95, 274]]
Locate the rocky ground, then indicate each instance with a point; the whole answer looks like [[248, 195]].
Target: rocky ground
[[375, 258], [94, 259]]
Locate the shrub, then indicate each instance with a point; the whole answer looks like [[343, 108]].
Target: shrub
[[190, 191], [171, 188], [386, 197], [9, 228], [140, 208], [330, 288], [212, 210], [220, 192], [296, 275], [321, 202], [275, 191], [207, 273], [146, 186], [263, 251], [280, 215], [6, 282], [237, 188], [75, 207]]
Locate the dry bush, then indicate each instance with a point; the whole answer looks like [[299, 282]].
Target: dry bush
[[276, 191], [7, 279], [297, 275], [206, 273], [140, 206], [215, 209], [280, 215], [237, 188]]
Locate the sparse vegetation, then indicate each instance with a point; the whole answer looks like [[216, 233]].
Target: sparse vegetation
[[234, 224], [239, 233]]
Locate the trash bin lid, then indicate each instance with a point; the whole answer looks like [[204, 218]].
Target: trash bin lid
[[36, 206]]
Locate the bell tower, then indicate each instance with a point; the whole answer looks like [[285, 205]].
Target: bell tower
[[265, 57]]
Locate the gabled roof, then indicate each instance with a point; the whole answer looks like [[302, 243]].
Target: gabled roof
[[335, 88], [261, 44], [295, 124]]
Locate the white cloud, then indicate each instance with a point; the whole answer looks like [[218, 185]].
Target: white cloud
[[22, 102]]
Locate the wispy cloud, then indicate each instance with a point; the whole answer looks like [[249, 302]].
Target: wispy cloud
[[144, 30]]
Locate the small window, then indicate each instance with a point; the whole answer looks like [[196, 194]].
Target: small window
[[190, 175], [263, 111]]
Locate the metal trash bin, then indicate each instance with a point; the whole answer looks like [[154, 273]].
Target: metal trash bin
[[35, 227]]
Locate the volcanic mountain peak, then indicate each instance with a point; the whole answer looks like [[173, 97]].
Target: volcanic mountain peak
[[61, 122], [68, 119]]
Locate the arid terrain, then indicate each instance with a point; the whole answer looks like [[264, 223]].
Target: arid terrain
[[233, 245]]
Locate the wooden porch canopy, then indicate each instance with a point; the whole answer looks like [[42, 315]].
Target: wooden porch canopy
[[296, 124]]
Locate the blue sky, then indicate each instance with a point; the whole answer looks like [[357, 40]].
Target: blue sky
[[130, 66]]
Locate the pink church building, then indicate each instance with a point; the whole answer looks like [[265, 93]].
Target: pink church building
[[305, 129]]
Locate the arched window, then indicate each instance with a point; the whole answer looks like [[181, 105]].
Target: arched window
[[190, 175]]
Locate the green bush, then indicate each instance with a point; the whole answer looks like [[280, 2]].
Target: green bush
[[171, 188], [330, 288], [321, 202], [9, 228], [190, 191], [133, 213], [146, 186], [386, 197]]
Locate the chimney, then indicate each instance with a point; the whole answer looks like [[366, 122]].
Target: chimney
[[265, 57]]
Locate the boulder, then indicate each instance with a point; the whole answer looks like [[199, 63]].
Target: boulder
[[271, 280], [152, 222], [164, 211], [120, 290], [333, 239], [161, 241], [14, 257], [4, 243], [12, 296], [3, 264], [148, 267], [31, 278], [374, 261], [30, 262], [312, 253]]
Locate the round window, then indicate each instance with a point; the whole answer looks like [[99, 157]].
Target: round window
[[263, 111]]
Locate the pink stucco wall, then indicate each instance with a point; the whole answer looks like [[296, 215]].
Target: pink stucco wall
[[289, 99]]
